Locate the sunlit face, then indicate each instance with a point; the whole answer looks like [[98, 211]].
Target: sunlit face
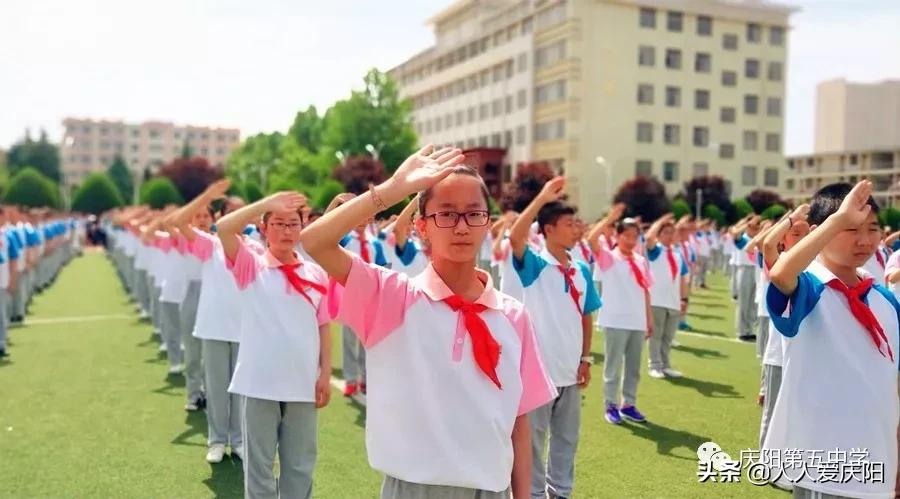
[[458, 193], [281, 230], [797, 232], [564, 231], [628, 239], [854, 247], [667, 235], [202, 220]]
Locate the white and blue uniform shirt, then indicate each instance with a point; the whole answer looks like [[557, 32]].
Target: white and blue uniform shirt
[[740, 257], [376, 254], [666, 289]]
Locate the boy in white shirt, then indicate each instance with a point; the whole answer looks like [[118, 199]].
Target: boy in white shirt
[[745, 278], [842, 342], [560, 295]]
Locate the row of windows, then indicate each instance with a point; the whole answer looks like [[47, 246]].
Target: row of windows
[[87, 159], [670, 172], [703, 64], [485, 110], [104, 131], [472, 82], [646, 96], [675, 23], [497, 139], [700, 138], [119, 147]]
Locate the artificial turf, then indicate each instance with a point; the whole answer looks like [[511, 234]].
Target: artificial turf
[[87, 410]]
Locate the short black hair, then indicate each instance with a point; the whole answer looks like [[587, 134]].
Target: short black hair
[[828, 199], [627, 223], [550, 213]]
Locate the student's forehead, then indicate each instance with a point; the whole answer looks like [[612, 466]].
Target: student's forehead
[[457, 191], [284, 216]]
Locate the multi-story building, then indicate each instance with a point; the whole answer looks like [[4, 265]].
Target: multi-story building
[[603, 90], [857, 135], [91, 145]]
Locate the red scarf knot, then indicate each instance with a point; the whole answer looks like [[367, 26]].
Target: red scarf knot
[[298, 283], [485, 348], [569, 275], [863, 313], [636, 272], [673, 266], [364, 247]]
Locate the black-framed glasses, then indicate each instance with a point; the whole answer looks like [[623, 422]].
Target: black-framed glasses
[[284, 226], [450, 219]]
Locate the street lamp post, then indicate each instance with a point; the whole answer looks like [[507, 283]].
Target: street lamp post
[[601, 161]]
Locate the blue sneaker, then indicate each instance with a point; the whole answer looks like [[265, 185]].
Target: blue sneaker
[[612, 414], [632, 414]]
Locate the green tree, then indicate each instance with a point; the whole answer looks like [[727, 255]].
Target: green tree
[[326, 192], [715, 214], [252, 192], [890, 217], [374, 116], [96, 195], [742, 208], [29, 187], [159, 192], [773, 212], [40, 154], [307, 129], [680, 208], [121, 177]]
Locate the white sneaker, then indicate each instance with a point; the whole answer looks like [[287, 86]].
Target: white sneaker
[[656, 373], [191, 406], [672, 373], [238, 451], [675, 343], [163, 348], [176, 369], [215, 454]]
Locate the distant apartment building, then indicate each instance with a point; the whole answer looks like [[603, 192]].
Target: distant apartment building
[[91, 145], [603, 90], [857, 135]]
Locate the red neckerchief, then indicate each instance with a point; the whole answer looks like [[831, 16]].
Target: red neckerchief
[[363, 246], [880, 257], [298, 283], [585, 252], [673, 266], [485, 348], [636, 272], [863, 313], [568, 275]]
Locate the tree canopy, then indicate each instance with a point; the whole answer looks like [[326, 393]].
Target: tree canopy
[[97, 195]]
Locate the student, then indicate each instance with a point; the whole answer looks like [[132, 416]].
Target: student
[[745, 278], [703, 245], [284, 364], [762, 282], [453, 365], [217, 325], [173, 288], [625, 317], [9, 255], [668, 293], [783, 236], [560, 297], [839, 386], [406, 254]]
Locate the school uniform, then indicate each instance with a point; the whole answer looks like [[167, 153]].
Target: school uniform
[[609, 243], [668, 270], [8, 256], [277, 369], [411, 260], [557, 297], [510, 284], [624, 318], [353, 356], [172, 292], [484, 252], [773, 359], [192, 269], [700, 241], [218, 326], [839, 385], [893, 264], [728, 250], [441, 406], [762, 311], [745, 286], [877, 263]]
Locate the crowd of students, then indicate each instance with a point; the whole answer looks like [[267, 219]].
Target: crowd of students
[[34, 246], [470, 336]]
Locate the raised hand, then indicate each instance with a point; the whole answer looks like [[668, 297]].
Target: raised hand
[[217, 189], [285, 201], [552, 190], [800, 213], [425, 168], [855, 208]]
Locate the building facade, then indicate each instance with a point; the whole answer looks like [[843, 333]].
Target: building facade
[[603, 90], [857, 116], [91, 145], [808, 173]]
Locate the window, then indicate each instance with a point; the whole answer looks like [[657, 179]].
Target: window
[[672, 134], [770, 177], [523, 62], [701, 136], [773, 106], [522, 98], [701, 99], [507, 138], [483, 111], [550, 130], [700, 169], [448, 120], [754, 33], [726, 151], [509, 104], [773, 142], [549, 54], [644, 132], [751, 68], [748, 176], [470, 114], [776, 36], [750, 140], [645, 93], [497, 107], [498, 73], [460, 117], [704, 25], [520, 135], [729, 41], [751, 104], [674, 21], [550, 92], [789, 184], [648, 18], [670, 171], [495, 140], [646, 56], [775, 70], [428, 126], [643, 168], [673, 97], [673, 58], [726, 115], [702, 62], [729, 78]]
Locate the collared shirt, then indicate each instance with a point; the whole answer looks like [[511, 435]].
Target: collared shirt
[[557, 318], [410, 261], [433, 416], [666, 290], [279, 354], [835, 381], [624, 300], [352, 243], [740, 256]]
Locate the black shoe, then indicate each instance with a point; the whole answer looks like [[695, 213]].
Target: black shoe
[[2, 353], [749, 338]]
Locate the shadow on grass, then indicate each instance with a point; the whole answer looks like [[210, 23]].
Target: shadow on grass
[[668, 439], [705, 332], [703, 353], [226, 479], [174, 386], [708, 388], [703, 317], [704, 304], [360, 421], [196, 421]]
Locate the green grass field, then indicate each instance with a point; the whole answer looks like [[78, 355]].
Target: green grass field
[[87, 410]]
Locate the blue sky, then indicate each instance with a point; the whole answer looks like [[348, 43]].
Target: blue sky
[[252, 65]]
